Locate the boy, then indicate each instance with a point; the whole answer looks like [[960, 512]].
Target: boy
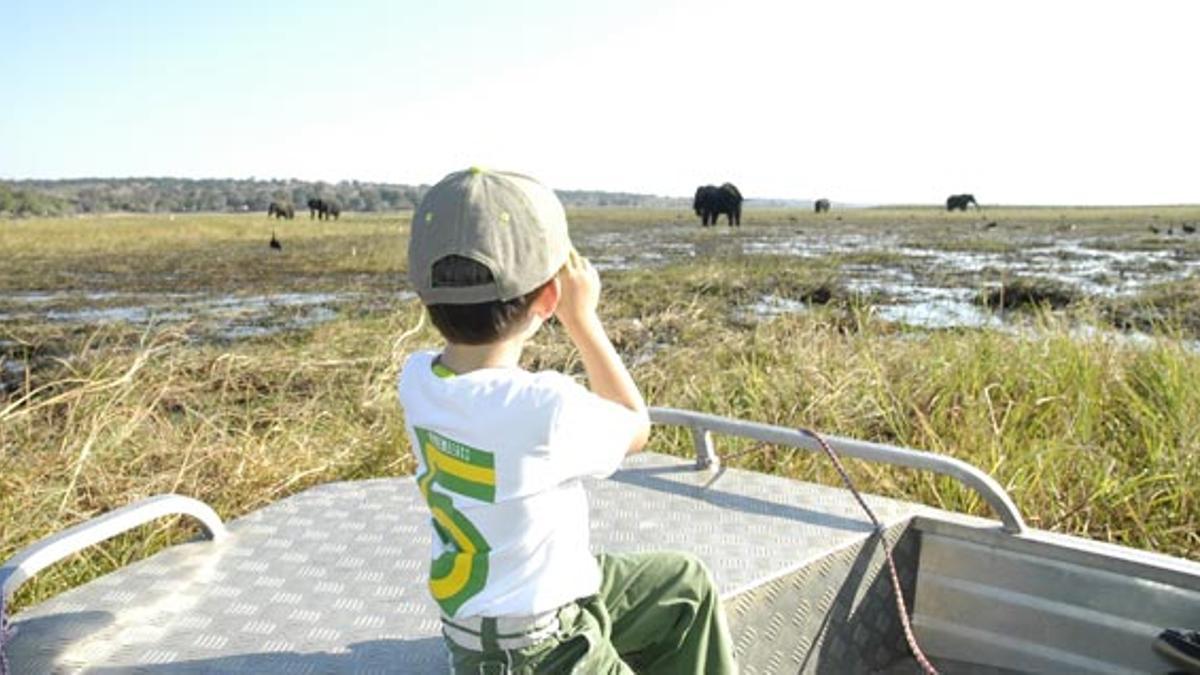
[[501, 452]]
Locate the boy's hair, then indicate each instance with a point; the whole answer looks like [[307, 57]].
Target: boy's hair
[[477, 323]]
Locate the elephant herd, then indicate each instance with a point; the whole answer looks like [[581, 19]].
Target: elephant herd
[[711, 202], [317, 208]]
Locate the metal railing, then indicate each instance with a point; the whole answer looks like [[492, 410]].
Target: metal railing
[[703, 425], [41, 554]]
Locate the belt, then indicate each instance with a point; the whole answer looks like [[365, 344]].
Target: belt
[[483, 633]]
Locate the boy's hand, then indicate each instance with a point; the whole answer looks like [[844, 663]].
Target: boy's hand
[[580, 292]]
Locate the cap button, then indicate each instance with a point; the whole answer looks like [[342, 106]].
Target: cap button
[[477, 170]]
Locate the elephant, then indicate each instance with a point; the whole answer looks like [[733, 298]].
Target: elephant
[[281, 210], [323, 209], [821, 205], [960, 202], [711, 201]]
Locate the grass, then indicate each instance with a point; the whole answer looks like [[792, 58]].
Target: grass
[[1028, 292], [1175, 303], [1091, 436], [201, 252]]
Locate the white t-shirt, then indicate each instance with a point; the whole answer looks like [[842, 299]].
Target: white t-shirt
[[500, 455]]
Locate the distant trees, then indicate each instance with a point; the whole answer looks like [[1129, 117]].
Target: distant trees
[[175, 195], [98, 195], [30, 203]]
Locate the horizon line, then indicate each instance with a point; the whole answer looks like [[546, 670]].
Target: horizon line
[[851, 203]]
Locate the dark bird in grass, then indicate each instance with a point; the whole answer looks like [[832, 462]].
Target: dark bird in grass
[[990, 225], [1171, 230], [1190, 229], [275, 242], [1154, 229]]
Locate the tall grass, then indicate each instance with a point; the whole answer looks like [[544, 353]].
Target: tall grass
[[124, 417], [1089, 437]]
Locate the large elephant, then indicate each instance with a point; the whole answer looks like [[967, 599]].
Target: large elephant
[[323, 209], [281, 210], [711, 201], [821, 205], [960, 202]]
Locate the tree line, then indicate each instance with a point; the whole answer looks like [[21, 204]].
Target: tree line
[[183, 195]]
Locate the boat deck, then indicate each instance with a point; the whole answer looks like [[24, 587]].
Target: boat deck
[[332, 580]]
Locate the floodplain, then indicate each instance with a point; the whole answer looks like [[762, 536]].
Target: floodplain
[[1055, 348]]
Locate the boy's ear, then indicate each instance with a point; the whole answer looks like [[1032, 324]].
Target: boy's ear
[[546, 300]]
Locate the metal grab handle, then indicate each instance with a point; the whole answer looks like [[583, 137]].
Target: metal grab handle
[[702, 425], [41, 554]]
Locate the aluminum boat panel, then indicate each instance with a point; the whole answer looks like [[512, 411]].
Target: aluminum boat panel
[[332, 579]]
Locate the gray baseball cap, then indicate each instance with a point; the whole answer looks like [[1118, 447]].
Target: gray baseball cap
[[509, 223]]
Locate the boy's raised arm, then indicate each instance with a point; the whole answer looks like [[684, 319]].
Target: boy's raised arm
[[608, 378]]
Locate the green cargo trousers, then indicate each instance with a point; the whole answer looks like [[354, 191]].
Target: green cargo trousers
[[655, 613]]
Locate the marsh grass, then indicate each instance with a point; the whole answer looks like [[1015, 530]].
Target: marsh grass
[[129, 416], [1028, 293], [1175, 304], [1091, 436]]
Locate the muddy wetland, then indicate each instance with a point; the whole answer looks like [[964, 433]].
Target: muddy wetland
[[1056, 349]]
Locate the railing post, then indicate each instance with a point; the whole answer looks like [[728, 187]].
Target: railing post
[[706, 455]]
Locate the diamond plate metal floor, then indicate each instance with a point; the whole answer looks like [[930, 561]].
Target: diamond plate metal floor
[[332, 579]]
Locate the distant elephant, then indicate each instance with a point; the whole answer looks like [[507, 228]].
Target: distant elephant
[[821, 206], [323, 209], [281, 210], [960, 202], [315, 205], [711, 201]]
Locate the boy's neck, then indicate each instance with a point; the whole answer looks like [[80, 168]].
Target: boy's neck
[[465, 358]]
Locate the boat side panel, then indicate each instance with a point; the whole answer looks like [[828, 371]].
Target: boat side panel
[[1042, 607]]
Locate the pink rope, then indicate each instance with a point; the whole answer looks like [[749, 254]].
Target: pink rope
[[919, 655]]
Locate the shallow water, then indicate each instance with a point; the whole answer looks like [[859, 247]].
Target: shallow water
[[915, 284], [940, 313], [226, 316], [769, 306]]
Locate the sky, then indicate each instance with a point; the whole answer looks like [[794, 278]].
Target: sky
[[1043, 102]]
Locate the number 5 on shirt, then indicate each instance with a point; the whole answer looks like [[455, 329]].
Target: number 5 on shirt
[[460, 572]]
